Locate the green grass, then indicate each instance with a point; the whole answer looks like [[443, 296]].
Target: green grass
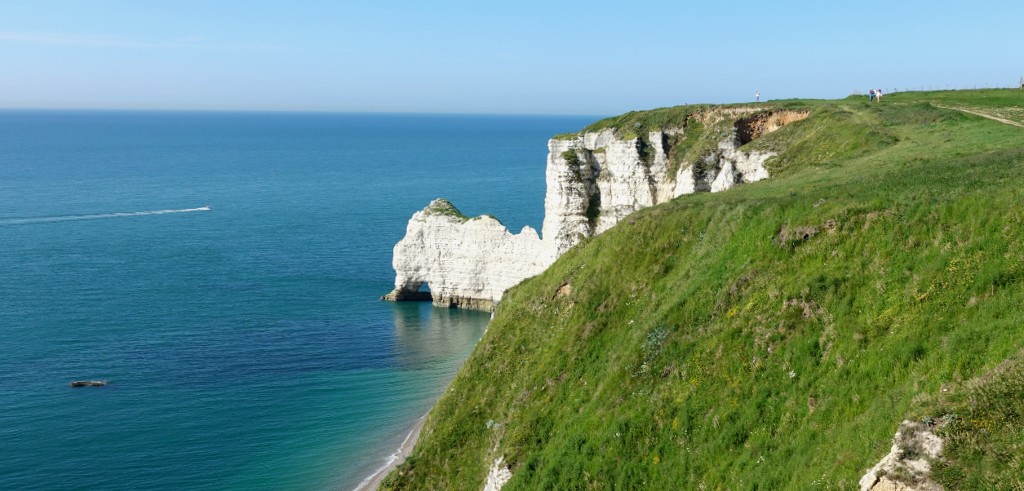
[[982, 423], [772, 336], [698, 140], [695, 144], [444, 207], [566, 136], [832, 137]]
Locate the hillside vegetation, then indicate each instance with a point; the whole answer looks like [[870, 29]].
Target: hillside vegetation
[[775, 335]]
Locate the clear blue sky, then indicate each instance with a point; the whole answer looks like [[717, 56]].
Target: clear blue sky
[[524, 56]]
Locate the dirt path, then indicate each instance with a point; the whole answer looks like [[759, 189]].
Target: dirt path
[[984, 115]]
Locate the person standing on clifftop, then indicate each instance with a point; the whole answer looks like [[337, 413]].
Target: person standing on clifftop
[[878, 95], [757, 96], [871, 95]]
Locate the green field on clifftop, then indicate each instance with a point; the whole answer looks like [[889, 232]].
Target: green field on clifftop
[[775, 335]]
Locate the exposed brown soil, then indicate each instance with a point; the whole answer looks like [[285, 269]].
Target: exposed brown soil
[[757, 125]]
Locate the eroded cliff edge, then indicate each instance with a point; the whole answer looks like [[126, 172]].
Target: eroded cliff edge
[[594, 179]]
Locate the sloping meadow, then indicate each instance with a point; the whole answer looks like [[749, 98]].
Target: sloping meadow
[[772, 336]]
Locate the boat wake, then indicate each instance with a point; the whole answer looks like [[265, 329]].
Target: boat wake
[[98, 216]]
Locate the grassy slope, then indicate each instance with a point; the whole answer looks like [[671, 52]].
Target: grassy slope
[[699, 347]]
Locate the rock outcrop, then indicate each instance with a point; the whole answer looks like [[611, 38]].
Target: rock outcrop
[[467, 262], [907, 466], [594, 180], [497, 476]]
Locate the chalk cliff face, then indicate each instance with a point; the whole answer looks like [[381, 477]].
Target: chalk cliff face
[[467, 262], [597, 179], [593, 180]]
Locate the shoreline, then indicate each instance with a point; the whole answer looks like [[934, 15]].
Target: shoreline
[[372, 482]]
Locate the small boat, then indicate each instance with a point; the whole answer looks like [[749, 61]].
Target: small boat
[[88, 383]]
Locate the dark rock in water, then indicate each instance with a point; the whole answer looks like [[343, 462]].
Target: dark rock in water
[[88, 383], [399, 295]]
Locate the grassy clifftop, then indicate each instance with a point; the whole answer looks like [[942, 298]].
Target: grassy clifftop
[[772, 336]]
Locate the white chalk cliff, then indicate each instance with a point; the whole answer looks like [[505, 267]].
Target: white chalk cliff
[[467, 262], [593, 180]]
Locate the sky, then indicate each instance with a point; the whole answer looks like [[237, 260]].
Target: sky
[[517, 57]]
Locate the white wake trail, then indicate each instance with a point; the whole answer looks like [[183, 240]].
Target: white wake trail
[[98, 216]]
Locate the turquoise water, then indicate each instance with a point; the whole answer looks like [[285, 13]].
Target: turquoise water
[[244, 344]]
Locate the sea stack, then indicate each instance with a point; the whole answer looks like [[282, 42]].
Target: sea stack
[[594, 179]]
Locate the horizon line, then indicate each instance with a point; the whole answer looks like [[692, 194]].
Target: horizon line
[[452, 113], [284, 111]]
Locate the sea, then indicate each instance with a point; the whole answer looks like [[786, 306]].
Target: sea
[[221, 272]]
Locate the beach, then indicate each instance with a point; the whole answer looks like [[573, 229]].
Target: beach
[[394, 460]]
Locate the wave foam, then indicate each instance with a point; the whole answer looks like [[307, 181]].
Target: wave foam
[[97, 216]]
